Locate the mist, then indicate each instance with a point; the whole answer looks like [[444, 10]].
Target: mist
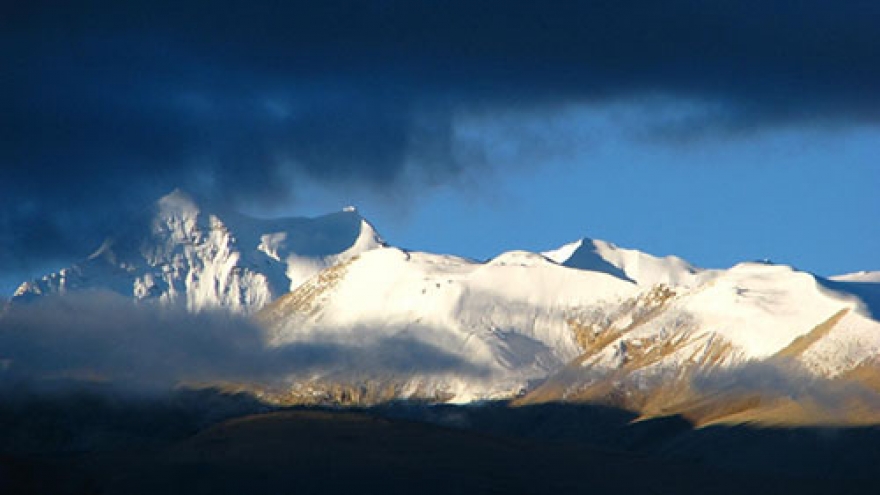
[[103, 338], [777, 381]]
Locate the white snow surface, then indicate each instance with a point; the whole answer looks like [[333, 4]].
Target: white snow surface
[[507, 316], [507, 322], [852, 341], [202, 259], [762, 308], [511, 315]]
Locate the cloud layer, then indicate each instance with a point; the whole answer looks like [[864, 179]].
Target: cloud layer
[[108, 102], [105, 338]]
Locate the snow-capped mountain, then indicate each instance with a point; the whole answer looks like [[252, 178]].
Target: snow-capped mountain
[[507, 317], [182, 253], [589, 321]]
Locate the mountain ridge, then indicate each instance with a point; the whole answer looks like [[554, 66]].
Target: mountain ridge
[[588, 321]]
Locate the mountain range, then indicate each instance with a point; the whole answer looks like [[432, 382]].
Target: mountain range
[[585, 322]]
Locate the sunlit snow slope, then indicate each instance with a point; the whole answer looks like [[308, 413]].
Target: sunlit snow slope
[[507, 317], [557, 325]]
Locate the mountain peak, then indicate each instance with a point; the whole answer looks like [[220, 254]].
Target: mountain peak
[[180, 251], [586, 254], [626, 264], [177, 199]]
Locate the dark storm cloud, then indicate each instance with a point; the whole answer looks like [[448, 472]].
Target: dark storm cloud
[[117, 102]]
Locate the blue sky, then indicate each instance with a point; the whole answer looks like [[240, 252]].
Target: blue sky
[[801, 196], [718, 131]]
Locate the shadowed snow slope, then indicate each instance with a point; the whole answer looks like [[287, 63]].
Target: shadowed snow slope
[[627, 264], [863, 285]]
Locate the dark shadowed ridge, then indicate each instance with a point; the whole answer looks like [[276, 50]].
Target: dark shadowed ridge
[[89, 442]]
